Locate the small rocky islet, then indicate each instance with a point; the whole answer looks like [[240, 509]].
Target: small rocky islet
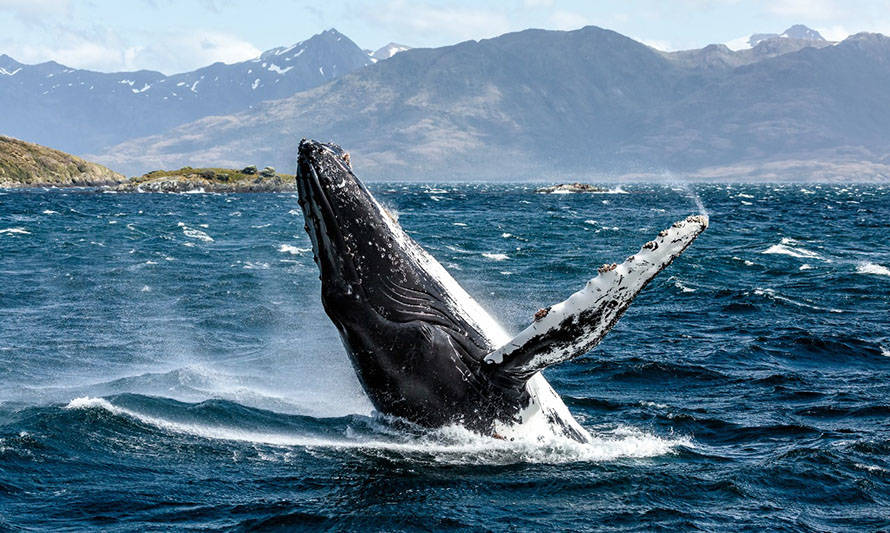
[[569, 188], [189, 179]]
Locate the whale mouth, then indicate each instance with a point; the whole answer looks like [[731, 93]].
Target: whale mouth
[[315, 188]]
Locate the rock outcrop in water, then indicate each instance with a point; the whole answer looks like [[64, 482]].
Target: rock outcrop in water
[[24, 164], [566, 188], [190, 179]]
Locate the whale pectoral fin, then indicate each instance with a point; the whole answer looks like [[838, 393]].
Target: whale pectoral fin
[[571, 328]]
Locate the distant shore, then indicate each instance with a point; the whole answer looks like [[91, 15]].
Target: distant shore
[[189, 179]]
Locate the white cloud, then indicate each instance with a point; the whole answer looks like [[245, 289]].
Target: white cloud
[[834, 33], [106, 51], [417, 22], [811, 9], [664, 46], [190, 50], [567, 20], [36, 11]]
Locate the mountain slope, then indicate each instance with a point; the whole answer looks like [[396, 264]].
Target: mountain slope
[[83, 111], [588, 102], [828, 103], [24, 164], [474, 109]]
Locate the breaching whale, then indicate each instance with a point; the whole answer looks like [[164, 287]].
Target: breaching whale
[[422, 348]]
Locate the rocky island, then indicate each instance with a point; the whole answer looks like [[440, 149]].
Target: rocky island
[[188, 179], [568, 188], [24, 164]]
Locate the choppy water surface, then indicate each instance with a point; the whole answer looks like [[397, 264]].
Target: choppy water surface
[[165, 362]]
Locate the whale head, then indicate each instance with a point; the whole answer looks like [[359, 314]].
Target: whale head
[[382, 289], [343, 220]]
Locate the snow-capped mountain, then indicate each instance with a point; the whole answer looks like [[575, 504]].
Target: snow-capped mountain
[[82, 111], [388, 51], [797, 32]]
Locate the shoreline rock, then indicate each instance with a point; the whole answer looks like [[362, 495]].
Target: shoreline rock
[[568, 188], [221, 180]]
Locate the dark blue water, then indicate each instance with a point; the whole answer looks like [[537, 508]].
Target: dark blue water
[[165, 362]]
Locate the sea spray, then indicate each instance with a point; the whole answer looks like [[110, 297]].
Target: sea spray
[[684, 186]]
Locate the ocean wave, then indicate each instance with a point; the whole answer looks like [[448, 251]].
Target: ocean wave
[[616, 190], [194, 233], [293, 250], [679, 284], [495, 257], [15, 231], [773, 295], [792, 248], [453, 444], [873, 268]]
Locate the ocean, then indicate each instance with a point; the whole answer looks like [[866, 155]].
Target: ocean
[[165, 363]]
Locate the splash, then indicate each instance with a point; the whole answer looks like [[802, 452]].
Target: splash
[[448, 445], [873, 268]]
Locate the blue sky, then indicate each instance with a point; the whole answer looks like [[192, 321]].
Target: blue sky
[[174, 36]]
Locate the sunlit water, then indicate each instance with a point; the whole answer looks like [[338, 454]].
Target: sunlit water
[[165, 362]]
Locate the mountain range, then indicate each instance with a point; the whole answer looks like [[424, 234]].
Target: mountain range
[[534, 104], [82, 111]]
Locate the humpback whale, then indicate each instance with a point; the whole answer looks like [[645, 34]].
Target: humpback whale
[[426, 351]]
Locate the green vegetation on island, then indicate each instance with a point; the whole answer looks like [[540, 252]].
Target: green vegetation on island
[[24, 164], [188, 179]]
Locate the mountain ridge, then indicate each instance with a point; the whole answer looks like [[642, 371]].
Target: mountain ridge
[[540, 104], [588, 102], [84, 111]]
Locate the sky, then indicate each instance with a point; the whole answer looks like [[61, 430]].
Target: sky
[[179, 35]]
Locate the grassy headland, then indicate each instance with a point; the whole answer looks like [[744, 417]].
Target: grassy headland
[[24, 164]]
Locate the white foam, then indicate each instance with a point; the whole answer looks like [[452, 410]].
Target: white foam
[[791, 248], [50, 212], [496, 257], [449, 445], [293, 250], [616, 190], [870, 468], [679, 284], [872, 268], [15, 231], [195, 233], [775, 296]]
